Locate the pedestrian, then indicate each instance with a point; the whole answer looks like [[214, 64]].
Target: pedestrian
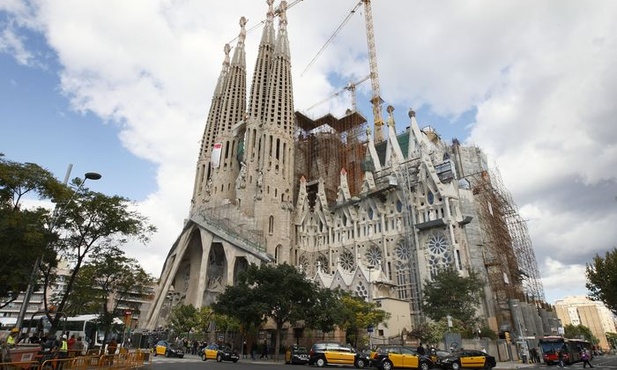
[[112, 346], [586, 356], [78, 347], [421, 351], [71, 343], [63, 351], [560, 357], [244, 349], [264, 350]]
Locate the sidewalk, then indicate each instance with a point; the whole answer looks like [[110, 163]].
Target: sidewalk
[[513, 365]]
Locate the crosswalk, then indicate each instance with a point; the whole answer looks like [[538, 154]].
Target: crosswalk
[[173, 360]]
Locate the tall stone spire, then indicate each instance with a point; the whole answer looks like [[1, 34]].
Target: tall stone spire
[[225, 163], [277, 148], [202, 174], [262, 65]]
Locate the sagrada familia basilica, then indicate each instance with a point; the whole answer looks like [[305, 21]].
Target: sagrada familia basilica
[[351, 204]]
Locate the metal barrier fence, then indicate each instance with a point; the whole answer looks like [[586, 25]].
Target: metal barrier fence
[[120, 361]]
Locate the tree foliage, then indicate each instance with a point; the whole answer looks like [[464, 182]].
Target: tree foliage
[[450, 294], [92, 224], [580, 332], [83, 224], [241, 302], [602, 279], [108, 274], [24, 232], [325, 311], [183, 318], [357, 316]]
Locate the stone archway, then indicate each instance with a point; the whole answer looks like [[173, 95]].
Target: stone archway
[[216, 275], [240, 266]]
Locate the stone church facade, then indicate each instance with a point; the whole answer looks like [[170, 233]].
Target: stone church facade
[[379, 219]]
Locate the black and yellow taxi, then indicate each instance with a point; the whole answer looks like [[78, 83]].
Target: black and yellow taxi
[[399, 357], [167, 349], [326, 353], [219, 353], [468, 359]]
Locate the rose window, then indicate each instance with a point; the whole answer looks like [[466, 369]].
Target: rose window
[[347, 261], [437, 244], [373, 256], [402, 252], [322, 263], [304, 263]]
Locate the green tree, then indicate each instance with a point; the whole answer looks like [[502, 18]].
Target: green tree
[[453, 295], [105, 275], [325, 310], [92, 224], [284, 292], [205, 316], [183, 318], [580, 332], [357, 316], [242, 303], [602, 279], [24, 232], [278, 292]]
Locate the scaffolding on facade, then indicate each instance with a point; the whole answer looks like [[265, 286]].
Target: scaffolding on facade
[[508, 253], [328, 145]]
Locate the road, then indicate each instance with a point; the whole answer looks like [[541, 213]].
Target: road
[[191, 362]]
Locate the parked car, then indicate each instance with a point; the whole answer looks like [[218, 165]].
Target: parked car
[[167, 349], [400, 357], [296, 355], [219, 353], [325, 353], [468, 359]]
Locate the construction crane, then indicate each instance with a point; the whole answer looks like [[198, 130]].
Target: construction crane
[[376, 100], [276, 13], [372, 54], [351, 87]]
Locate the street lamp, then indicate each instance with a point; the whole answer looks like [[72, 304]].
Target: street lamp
[[55, 214]]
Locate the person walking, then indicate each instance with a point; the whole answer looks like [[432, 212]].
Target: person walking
[[264, 351], [560, 358], [421, 351], [586, 356]]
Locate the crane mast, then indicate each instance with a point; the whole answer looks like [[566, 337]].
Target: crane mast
[[372, 54]]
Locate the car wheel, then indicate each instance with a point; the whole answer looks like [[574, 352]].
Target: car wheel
[[235, 361], [455, 366], [360, 364], [203, 356], [387, 365], [219, 358], [321, 362], [424, 366], [167, 354]]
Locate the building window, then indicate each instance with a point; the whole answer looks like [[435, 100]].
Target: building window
[[271, 225]]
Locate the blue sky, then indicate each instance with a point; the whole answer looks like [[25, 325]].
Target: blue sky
[[123, 89]]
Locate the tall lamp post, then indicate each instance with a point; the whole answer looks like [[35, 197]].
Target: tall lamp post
[[35, 271], [370, 299]]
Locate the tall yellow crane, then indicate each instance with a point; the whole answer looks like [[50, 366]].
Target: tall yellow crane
[[372, 55]]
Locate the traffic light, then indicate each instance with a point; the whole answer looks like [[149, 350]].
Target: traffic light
[[507, 336]]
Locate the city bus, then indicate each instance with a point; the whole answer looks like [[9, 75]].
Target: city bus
[[571, 348], [85, 326]]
